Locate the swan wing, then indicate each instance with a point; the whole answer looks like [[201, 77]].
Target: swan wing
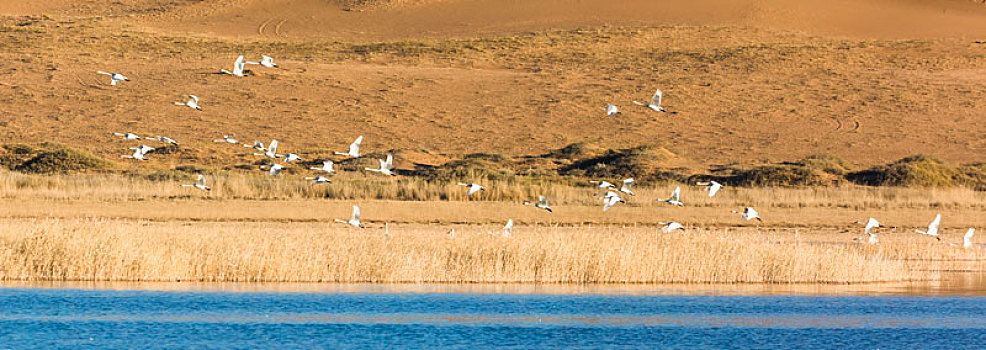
[[656, 99]]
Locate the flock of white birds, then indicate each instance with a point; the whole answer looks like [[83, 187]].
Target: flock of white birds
[[610, 198]]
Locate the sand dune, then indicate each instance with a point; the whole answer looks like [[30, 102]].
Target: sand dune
[[753, 81], [383, 20]]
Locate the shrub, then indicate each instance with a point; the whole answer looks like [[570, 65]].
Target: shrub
[[631, 162], [917, 171], [580, 150], [54, 158]]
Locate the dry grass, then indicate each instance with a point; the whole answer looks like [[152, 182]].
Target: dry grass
[[140, 251], [111, 187]]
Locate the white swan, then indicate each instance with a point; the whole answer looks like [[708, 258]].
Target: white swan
[[626, 186], [290, 157], [655, 102], [319, 180], [508, 228], [114, 77], [139, 152], [265, 61], [143, 148], [193, 103], [353, 220], [353, 148], [967, 239], [602, 185], [271, 151], [274, 169], [611, 199], [932, 228], [712, 187], [128, 136], [326, 167], [165, 139], [868, 230], [226, 139], [749, 214], [671, 226], [386, 166], [257, 145], [675, 198], [199, 184], [473, 188], [611, 110], [137, 155], [238, 66], [870, 225], [542, 203]]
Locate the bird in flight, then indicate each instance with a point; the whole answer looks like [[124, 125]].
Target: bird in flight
[[274, 169], [542, 203], [326, 167], [238, 66], [749, 214], [508, 228], [271, 151], [139, 152], [932, 229], [473, 188], [602, 185], [114, 77], [193, 103], [655, 102], [164, 139], [611, 110], [353, 148], [626, 186], [671, 226], [712, 187], [290, 157], [675, 198], [265, 61], [128, 136], [226, 139], [319, 180], [257, 145], [199, 184], [611, 199], [868, 230], [386, 166], [353, 220]]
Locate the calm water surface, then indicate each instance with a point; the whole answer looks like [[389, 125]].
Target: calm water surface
[[382, 317]]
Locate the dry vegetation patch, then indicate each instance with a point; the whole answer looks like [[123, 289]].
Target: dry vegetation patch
[[922, 171], [133, 251], [51, 158]]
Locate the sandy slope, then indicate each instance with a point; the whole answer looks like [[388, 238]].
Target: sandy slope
[[409, 19], [869, 80]]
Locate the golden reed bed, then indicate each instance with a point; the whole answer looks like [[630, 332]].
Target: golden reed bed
[[349, 186], [117, 250]]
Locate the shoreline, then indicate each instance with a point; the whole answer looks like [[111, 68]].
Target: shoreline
[[951, 287]]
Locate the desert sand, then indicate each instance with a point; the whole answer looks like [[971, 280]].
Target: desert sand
[[750, 81]]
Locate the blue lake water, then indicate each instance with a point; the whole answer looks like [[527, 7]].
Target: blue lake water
[[383, 319]]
